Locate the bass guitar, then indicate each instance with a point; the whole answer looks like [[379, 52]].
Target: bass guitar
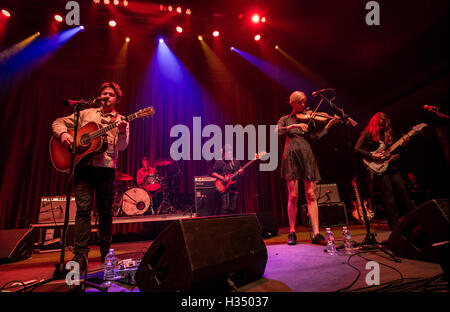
[[222, 187], [380, 167], [89, 140]]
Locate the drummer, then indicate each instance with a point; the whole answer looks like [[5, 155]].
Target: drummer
[[144, 171]]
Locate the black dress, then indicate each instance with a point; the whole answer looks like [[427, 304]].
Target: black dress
[[298, 160]]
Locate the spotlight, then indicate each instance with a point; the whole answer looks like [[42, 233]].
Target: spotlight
[[127, 39], [240, 16], [216, 33], [58, 18], [125, 3], [97, 1], [170, 8], [179, 10], [263, 19], [81, 27], [106, 2], [257, 37], [232, 48], [188, 12], [6, 13], [255, 18], [200, 37], [161, 7], [112, 23], [116, 2], [179, 29], [161, 40], [277, 47]]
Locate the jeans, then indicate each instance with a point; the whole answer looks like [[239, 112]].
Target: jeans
[[89, 182], [228, 203]]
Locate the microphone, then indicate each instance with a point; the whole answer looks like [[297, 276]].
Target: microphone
[[72, 103], [316, 93], [429, 107]]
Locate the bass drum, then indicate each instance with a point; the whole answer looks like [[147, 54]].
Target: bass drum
[[136, 201]]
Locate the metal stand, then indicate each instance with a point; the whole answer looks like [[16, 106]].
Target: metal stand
[[166, 206]]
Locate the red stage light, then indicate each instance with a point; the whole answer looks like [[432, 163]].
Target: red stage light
[[106, 2], [255, 18], [216, 33], [127, 39], [188, 12], [112, 23], [58, 18], [263, 19], [116, 2], [170, 8], [96, 1], [179, 10], [6, 13], [125, 3], [257, 37], [179, 29]]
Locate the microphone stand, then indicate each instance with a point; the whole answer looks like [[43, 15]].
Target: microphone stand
[[369, 242]]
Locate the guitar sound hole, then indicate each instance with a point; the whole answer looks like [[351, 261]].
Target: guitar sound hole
[[85, 139]]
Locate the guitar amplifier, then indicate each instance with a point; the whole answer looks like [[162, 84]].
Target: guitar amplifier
[[53, 209], [206, 196], [327, 193]]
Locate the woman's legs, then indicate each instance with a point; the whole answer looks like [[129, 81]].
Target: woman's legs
[[292, 203], [313, 209]]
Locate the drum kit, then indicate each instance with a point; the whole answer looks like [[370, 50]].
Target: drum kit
[[137, 200]]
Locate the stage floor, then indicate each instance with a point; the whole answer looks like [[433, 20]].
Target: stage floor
[[300, 268]]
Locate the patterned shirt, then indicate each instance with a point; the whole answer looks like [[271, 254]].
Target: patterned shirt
[[113, 140]]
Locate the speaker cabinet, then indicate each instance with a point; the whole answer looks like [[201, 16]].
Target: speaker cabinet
[[416, 236], [206, 196], [327, 193], [201, 254], [53, 209], [15, 245], [332, 215]]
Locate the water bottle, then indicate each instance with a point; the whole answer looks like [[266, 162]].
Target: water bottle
[[110, 267], [347, 239], [331, 247]]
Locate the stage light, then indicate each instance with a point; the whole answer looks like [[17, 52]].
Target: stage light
[[179, 10], [161, 7], [277, 47], [127, 39], [179, 29], [106, 2], [170, 8], [161, 40], [257, 37], [116, 2], [188, 12], [255, 18], [6, 13], [263, 19], [125, 3], [82, 27], [216, 33], [240, 16], [112, 23], [200, 37], [97, 1], [232, 48], [58, 18]]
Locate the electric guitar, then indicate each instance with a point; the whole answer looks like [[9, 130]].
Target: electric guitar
[[222, 187], [380, 167], [89, 140], [359, 205]]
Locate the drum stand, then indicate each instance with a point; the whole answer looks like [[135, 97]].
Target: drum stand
[[166, 206]]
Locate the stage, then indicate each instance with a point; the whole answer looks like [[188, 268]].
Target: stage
[[294, 269]]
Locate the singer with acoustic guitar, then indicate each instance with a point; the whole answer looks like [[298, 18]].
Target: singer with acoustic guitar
[[96, 173]]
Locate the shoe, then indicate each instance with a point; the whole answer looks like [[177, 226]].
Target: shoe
[[292, 238], [83, 262], [319, 240]]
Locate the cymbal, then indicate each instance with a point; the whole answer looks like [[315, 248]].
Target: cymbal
[[163, 162], [124, 177]]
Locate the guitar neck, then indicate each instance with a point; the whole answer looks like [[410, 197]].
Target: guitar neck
[[102, 131], [399, 142], [243, 168]]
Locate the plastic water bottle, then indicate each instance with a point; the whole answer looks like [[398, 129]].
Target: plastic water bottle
[[331, 246], [347, 239], [110, 267]]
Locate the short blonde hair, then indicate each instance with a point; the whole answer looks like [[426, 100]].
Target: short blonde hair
[[297, 97]]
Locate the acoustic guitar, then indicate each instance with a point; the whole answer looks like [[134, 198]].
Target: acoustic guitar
[[89, 140]]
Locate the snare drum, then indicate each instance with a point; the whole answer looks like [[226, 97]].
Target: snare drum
[[136, 201], [152, 183]]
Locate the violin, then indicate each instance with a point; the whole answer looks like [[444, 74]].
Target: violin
[[307, 115]]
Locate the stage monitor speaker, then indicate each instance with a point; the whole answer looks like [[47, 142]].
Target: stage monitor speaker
[[201, 254], [416, 236], [332, 215], [15, 245], [327, 193]]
